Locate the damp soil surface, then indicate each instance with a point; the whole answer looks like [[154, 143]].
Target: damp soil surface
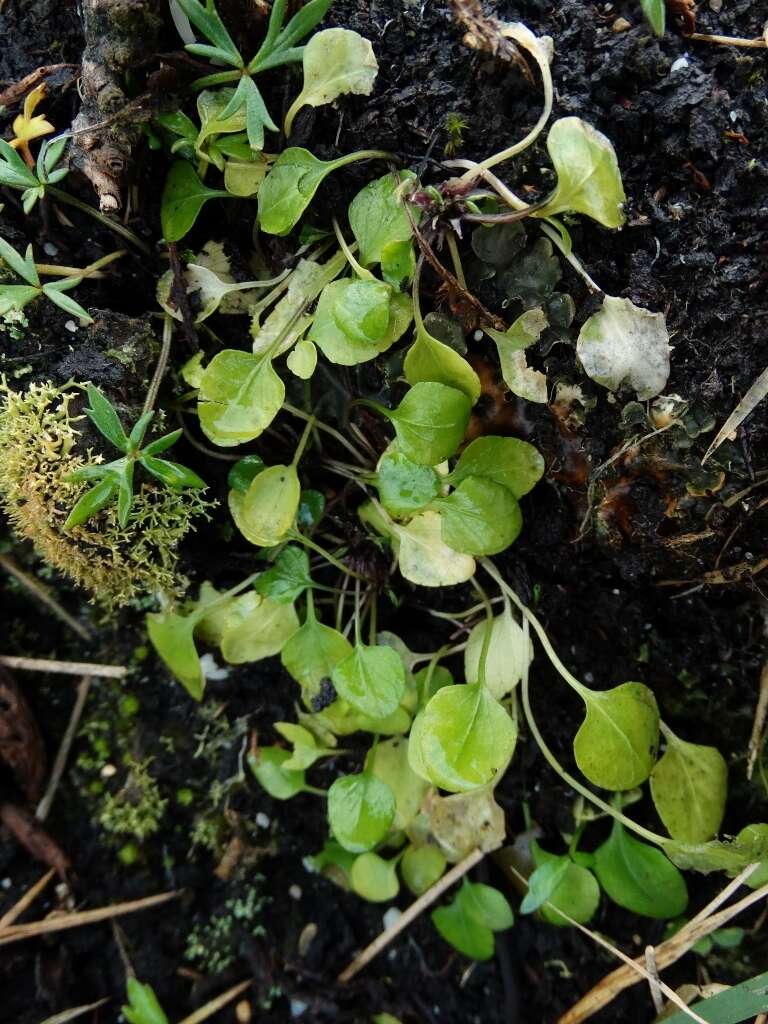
[[641, 564]]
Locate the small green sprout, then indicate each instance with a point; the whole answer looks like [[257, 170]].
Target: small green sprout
[[455, 126], [115, 479], [17, 296], [33, 181], [143, 1007]]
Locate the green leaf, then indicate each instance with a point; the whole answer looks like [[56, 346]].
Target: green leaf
[[430, 422], [378, 218], [172, 636], [311, 508], [243, 178], [305, 749], [288, 578], [243, 471], [430, 360], [302, 23], [211, 105], [469, 921], [143, 1006], [24, 265], [336, 62], [93, 500], [267, 510], [389, 762], [513, 464], [336, 311], [617, 742], [13, 171], [511, 344], [361, 810], [639, 877], [465, 738], [508, 656], [268, 766], [257, 117], [398, 263], [625, 344], [759, 835], [404, 486], [288, 189], [588, 176], [689, 784], [543, 882], [371, 679], [655, 12], [576, 894], [302, 359], [206, 19], [16, 297], [361, 310], [261, 633], [480, 517], [172, 474], [731, 856], [421, 867], [374, 878], [240, 395], [183, 197], [54, 290], [312, 653], [736, 1004]]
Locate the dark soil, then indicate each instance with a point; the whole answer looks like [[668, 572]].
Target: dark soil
[[615, 560]]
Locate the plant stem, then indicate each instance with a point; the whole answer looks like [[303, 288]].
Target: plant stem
[[295, 411], [313, 546], [362, 273], [453, 248], [487, 632], [555, 765], [303, 441], [162, 363], [571, 258], [92, 270], [111, 225], [362, 154]]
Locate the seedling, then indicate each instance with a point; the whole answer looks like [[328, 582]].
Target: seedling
[[17, 296], [116, 478], [143, 1006]]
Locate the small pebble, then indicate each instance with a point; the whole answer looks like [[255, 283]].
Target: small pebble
[[50, 249], [262, 820], [295, 892], [392, 915], [70, 326], [6, 883], [298, 1006], [679, 64], [211, 670], [243, 1012], [621, 25], [108, 771]]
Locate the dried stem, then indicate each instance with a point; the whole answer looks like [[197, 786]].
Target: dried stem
[[67, 668]]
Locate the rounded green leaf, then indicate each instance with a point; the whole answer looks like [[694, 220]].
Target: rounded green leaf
[[421, 867], [480, 517], [288, 189], [689, 784], [240, 395], [617, 742], [183, 197], [371, 679], [514, 464], [361, 809], [261, 633], [378, 219], [509, 654], [486, 905], [361, 311], [465, 738], [430, 360], [312, 653], [588, 176], [430, 422], [268, 765], [334, 330], [639, 877], [267, 510], [302, 359], [374, 878], [404, 486], [577, 893], [389, 762], [172, 636], [757, 834]]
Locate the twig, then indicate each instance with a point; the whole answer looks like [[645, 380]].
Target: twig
[[14, 93], [758, 725], [409, 915], [26, 901], [653, 979], [67, 668], [19, 932], [753, 397], [667, 953], [216, 1004], [74, 1012], [44, 807], [43, 596], [702, 37]]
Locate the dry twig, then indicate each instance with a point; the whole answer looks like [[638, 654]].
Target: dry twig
[[216, 1004], [44, 807], [42, 595], [67, 668], [26, 901], [758, 725]]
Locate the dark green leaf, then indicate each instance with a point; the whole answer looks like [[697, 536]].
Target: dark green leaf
[[430, 422], [161, 444], [639, 877], [311, 508], [206, 19], [361, 809], [514, 464], [243, 471], [171, 474], [480, 517], [288, 578], [93, 501], [404, 486], [184, 196], [104, 417]]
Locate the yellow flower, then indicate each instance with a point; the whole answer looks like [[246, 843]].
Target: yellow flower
[[27, 126]]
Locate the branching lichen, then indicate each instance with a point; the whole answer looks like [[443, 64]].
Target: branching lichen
[[38, 440]]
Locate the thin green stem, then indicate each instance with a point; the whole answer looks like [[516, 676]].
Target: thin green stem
[[555, 765], [487, 632], [359, 269], [314, 546], [363, 154], [372, 619], [162, 363], [458, 268], [219, 78], [111, 225], [295, 411], [303, 441], [574, 261]]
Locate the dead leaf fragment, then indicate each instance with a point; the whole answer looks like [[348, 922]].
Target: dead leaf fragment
[[21, 745]]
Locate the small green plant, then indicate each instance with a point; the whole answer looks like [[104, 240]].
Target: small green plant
[[116, 478], [17, 296], [143, 1006], [655, 12], [456, 126], [33, 181]]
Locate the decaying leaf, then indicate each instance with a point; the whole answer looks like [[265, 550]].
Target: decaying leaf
[[464, 821], [33, 837]]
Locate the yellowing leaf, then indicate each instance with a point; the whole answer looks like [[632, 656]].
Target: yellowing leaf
[[29, 126]]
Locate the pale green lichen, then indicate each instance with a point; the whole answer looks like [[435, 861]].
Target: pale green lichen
[[38, 441]]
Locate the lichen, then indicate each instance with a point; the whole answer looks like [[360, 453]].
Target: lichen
[[38, 441]]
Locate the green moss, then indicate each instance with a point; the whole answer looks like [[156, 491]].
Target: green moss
[[213, 945], [138, 808], [38, 439]]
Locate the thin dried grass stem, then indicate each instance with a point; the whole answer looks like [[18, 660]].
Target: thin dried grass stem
[[67, 668]]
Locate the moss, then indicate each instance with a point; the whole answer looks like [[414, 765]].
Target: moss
[[38, 438], [138, 808], [213, 945]]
